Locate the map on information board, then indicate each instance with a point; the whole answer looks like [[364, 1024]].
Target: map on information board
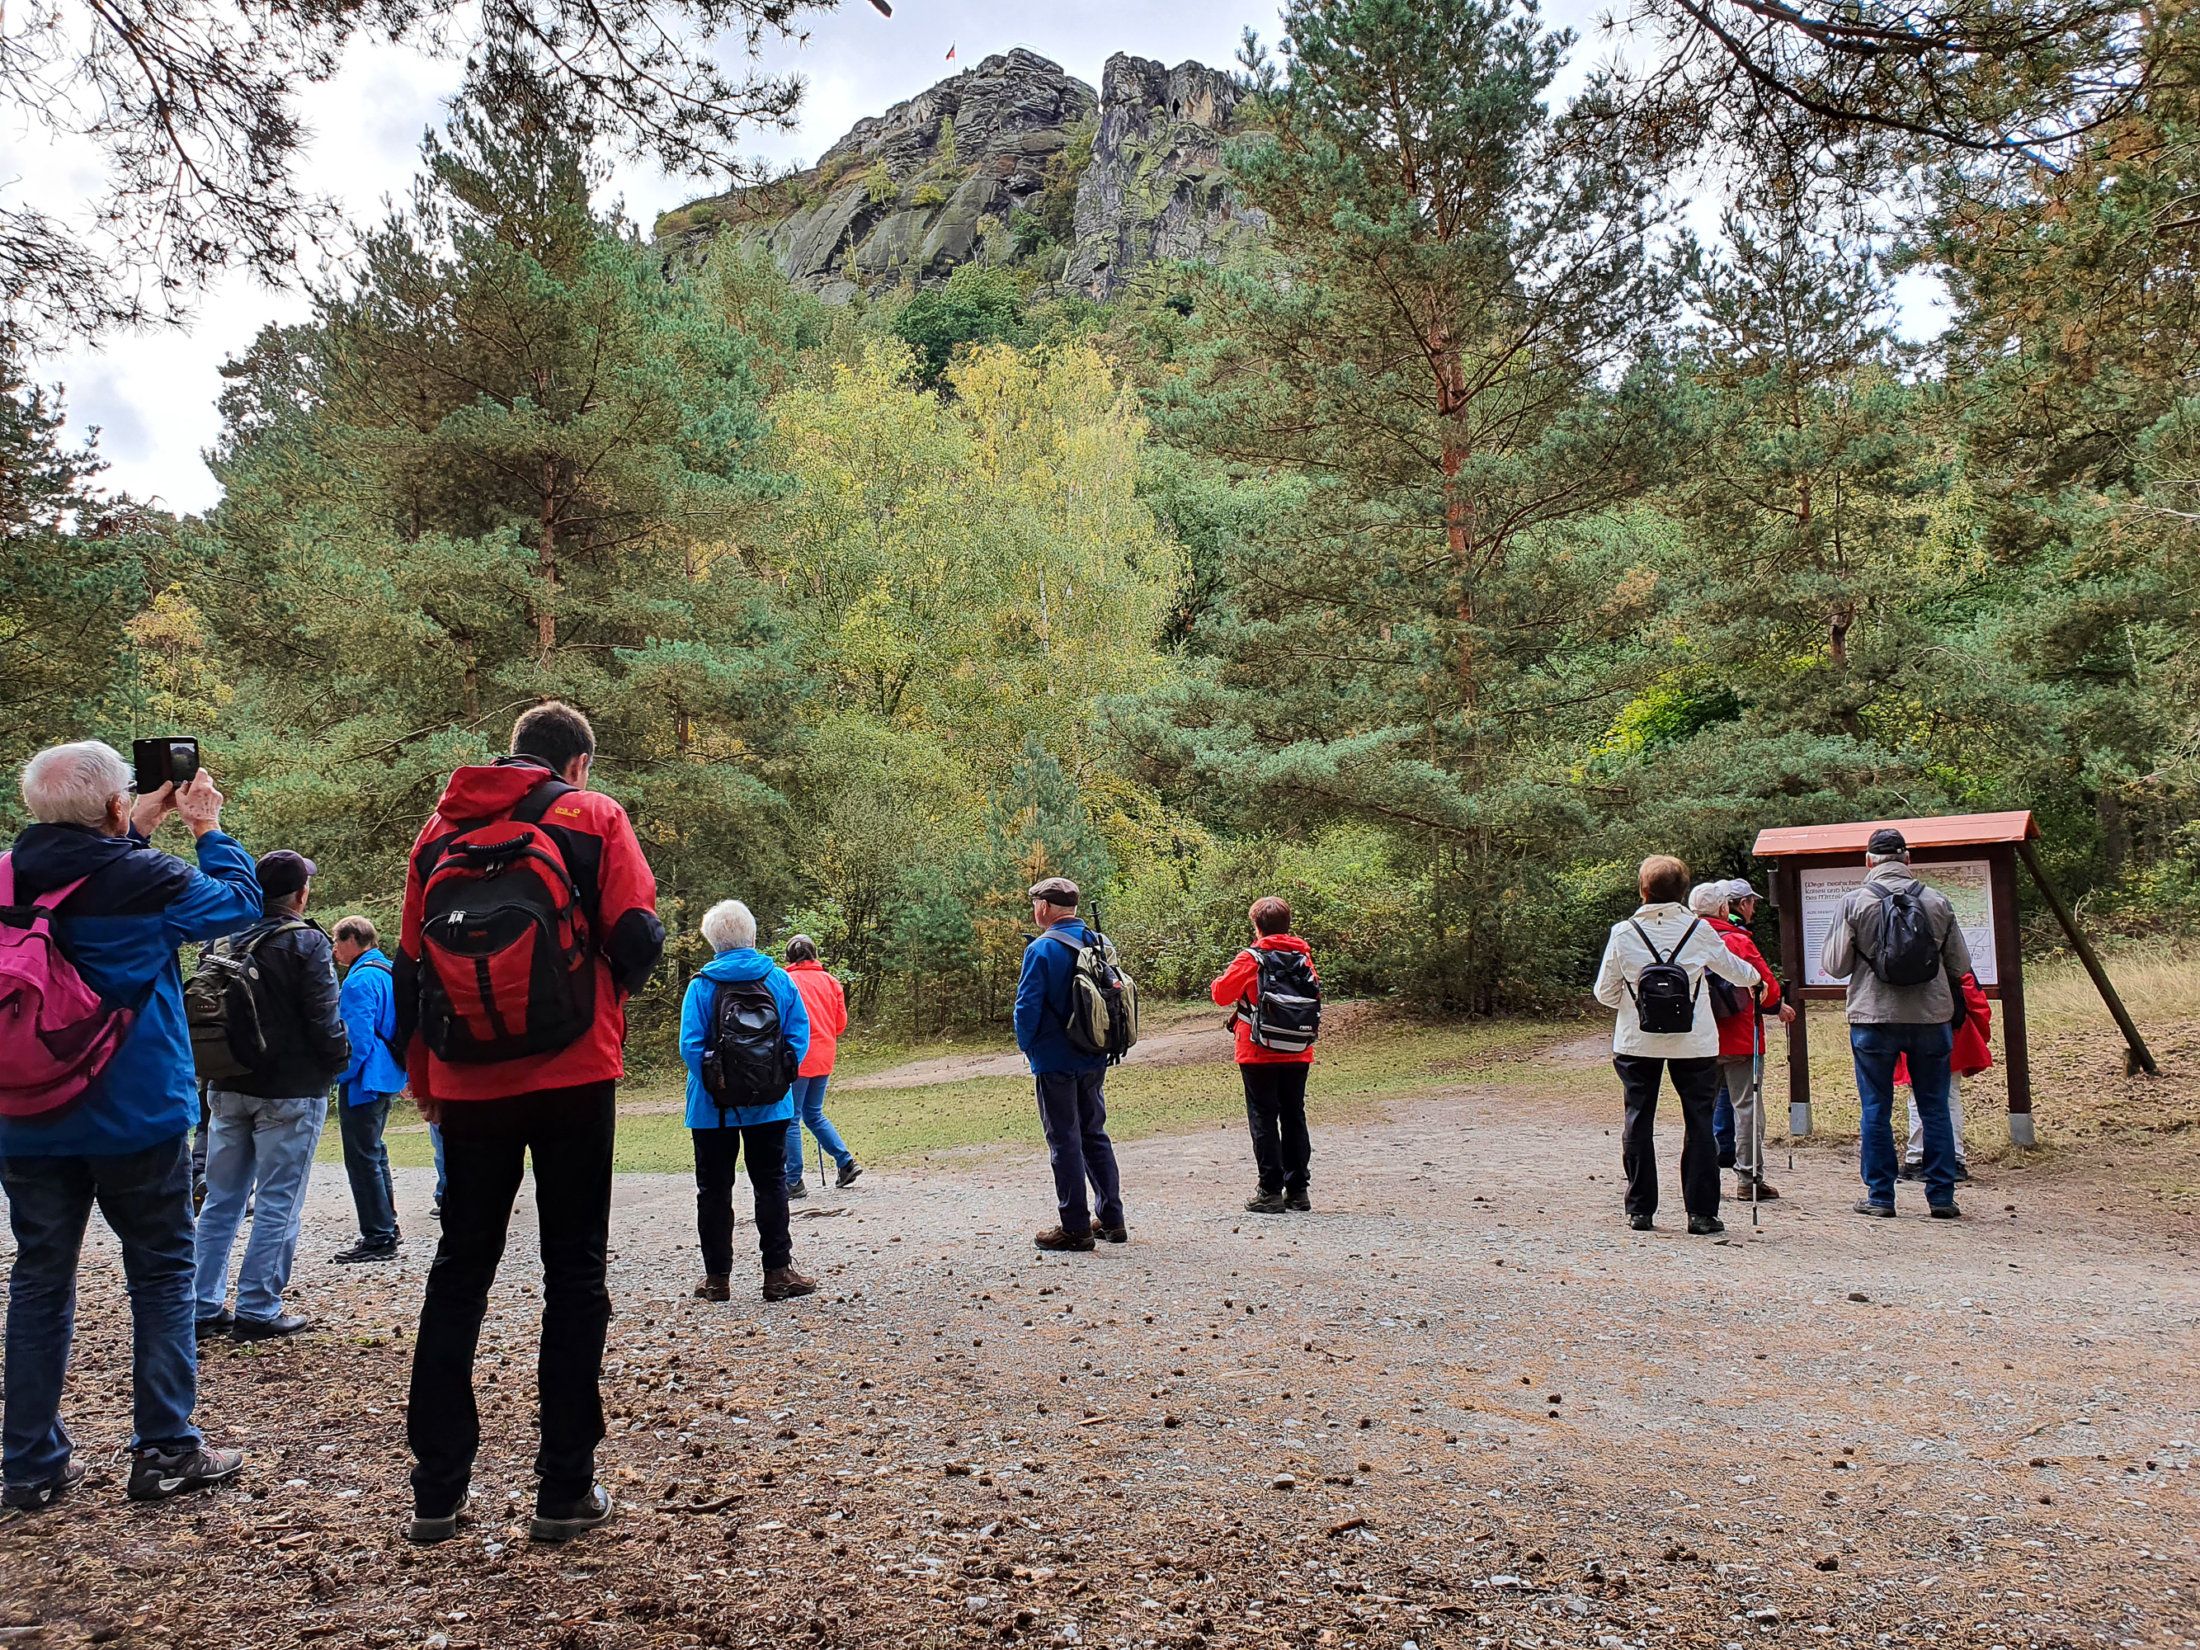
[[1966, 882]]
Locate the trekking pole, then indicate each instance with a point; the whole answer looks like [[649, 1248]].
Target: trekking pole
[[1757, 1088]]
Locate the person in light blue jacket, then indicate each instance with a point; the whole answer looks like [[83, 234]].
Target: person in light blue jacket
[[370, 1082], [743, 1031]]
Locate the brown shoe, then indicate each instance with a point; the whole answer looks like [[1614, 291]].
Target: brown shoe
[[783, 1283], [1763, 1192], [1056, 1239], [716, 1286]]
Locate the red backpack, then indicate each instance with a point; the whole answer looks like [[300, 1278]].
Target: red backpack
[[506, 968], [56, 1033]]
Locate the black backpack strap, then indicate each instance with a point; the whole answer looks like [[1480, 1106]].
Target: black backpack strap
[[1644, 936], [537, 802]]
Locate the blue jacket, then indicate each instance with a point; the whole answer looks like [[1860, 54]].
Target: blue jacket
[[368, 1003], [1043, 1003], [794, 1021], [122, 929]]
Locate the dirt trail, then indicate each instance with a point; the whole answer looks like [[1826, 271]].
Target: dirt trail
[[1503, 1418]]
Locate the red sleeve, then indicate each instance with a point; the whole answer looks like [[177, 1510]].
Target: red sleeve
[[1981, 1010], [1756, 959], [840, 1007], [1236, 980], [408, 924], [631, 938]]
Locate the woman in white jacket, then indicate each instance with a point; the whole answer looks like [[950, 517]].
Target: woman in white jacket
[[1663, 931]]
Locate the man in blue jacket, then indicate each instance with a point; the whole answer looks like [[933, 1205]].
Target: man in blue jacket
[[368, 1003], [1072, 1109], [125, 1144]]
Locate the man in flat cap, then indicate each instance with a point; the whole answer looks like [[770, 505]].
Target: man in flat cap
[[1072, 1107], [1898, 945], [264, 1122]]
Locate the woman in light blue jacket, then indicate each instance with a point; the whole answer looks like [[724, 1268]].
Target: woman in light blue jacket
[[743, 1031]]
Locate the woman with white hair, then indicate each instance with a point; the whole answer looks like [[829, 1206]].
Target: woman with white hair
[[743, 1033]]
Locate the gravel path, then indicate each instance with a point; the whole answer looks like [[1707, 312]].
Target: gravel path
[[1458, 1405]]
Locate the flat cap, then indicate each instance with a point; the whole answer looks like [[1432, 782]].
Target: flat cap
[[1887, 840], [1055, 891], [284, 872]]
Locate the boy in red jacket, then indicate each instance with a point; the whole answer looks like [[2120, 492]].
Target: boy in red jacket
[[1273, 1065], [1741, 1033], [1970, 1056]]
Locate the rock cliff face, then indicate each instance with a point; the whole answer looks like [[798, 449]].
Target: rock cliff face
[[1012, 162]]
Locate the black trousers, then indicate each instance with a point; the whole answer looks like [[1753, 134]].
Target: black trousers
[[717, 1152], [1697, 1083], [486, 1143], [1275, 1110]]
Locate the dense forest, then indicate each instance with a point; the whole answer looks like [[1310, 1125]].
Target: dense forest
[[1475, 531]]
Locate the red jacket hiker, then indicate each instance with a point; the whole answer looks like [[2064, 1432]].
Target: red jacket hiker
[[1737, 1034], [1971, 1053], [827, 1006], [1236, 985], [618, 897]]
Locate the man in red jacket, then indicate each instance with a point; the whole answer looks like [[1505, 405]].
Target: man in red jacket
[[1273, 1056], [530, 917], [1741, 1034]]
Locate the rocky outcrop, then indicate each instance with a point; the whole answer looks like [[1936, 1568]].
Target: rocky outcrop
[[1011, 162]]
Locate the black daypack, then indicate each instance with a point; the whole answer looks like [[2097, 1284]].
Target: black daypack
[[1103, 1000], [1665, 1003], [748, 1059], [226, 1006], [1908, 952], [1285, 1011]]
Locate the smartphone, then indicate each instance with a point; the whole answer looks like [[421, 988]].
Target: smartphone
[[164, 761]]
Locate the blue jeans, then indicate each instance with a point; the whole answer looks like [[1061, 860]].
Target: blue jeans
[[261, 1150], [809, 1108], [442, 1175], [1875, 1048], [146, 1199], [1722, 1122], [367, 1163]]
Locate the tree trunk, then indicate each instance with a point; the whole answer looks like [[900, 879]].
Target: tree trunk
[[1451, 401]]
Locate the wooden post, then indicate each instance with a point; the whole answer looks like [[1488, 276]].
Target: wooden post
[[1788, 884], [2141, 1058], [2009, 964]]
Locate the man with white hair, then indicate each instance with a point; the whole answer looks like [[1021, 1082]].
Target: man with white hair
[[125, 1142]]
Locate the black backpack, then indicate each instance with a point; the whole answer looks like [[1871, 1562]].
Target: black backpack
[[1285, 1013], [1908, 952], [226, 1006], [1665, 1003], [747, 1057]]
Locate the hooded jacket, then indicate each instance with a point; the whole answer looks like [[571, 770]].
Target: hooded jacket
[[307, 1046], [121, 929], [369, 1005], [1043, 1003], [743, 963], [1237, 986], [827, 1006], [618, 896], [1738, 1032]]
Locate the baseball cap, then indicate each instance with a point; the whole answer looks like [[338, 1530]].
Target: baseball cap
[[284, 872], [1055, 891], [1739, 888], [1887, 840], [1707, 898]]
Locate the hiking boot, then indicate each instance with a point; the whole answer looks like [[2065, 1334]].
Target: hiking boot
[[1112, 1234], [1963, 1170], [271, 1329], [1705, 1226], [157, 1474], [1760, 1191], [1910, 1171], [426, 1529], [784, 1283], [363, 1251], [221, 1323], [1298, 1201], [798, 1188], [716, 1286], [562, 1522], [198, 1194], [1059, 1241], [436, 1209], [38, 1497], [1266, 1203], [1945, 1211], [1641, 1223], [1878, 1211], [848, 1174]]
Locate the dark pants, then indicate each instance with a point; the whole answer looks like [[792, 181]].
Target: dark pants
[[486, 1143], [1074, 1113], [1697, 1083], [146, 1198], [1275, 1110], [1722, 1122], [716, 1156], [367, 1163]]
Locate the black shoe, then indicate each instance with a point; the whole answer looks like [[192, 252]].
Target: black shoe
[[221, 1323], [155, 1475], [1266, 1203], [198, 1194], [1910, 1171], [798, 1188], [1298, 1201], [848, 1175], [1112, 1234], [1705, 1226], [38, 1497], [1726, 1159], [1878, 1211], [1963, 1171], [363, 1251], [426, 1529], [436, 1209], [271, 1329], [1640, 1223], [1945, 1211], [555, 1523]]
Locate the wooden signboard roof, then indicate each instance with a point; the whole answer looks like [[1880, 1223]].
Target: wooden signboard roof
[[1947, 831]]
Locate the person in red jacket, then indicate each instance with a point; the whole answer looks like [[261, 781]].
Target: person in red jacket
[[468, 992], [1970, 1056], [827, 1006], [1741, 1034], [1273, 1067]]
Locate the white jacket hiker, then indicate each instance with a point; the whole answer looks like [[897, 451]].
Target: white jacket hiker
[[1626, 956]]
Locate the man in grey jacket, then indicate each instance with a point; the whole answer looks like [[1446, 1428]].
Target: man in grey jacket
[[1888, 1020]]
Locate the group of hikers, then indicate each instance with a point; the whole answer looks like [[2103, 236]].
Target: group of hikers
[[528, 922]]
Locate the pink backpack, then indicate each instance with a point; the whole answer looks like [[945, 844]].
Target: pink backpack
[[56, 1033]]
